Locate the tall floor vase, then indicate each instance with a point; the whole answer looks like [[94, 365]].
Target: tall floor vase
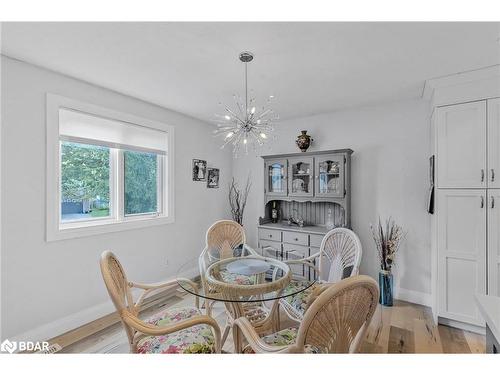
[[385, 282]]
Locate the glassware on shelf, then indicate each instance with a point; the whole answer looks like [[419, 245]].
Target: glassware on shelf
[[334, 167], [329, 177], [301, 179]]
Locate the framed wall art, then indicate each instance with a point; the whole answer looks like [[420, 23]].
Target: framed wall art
[[199, 170], [213, 178]]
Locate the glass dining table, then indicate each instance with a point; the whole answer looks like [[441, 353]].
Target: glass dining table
[[250, 286], [242, 279]]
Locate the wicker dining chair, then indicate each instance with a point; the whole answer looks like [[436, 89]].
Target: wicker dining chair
[[335, 322], [224, 239], [338, 258], [178, 330]]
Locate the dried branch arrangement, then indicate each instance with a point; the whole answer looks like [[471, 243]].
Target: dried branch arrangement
[[388, 242], [238, 199]]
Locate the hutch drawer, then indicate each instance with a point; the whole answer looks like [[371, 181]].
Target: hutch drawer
[[269, 234], [297, 250], [270, 248], [296, 238]]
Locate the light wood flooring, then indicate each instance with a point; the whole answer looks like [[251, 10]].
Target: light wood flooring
[[403, 328]]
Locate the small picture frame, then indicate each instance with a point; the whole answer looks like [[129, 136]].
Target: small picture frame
[[199, 170], [213, 178]]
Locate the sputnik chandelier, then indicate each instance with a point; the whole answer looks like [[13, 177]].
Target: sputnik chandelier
[[247, 126]]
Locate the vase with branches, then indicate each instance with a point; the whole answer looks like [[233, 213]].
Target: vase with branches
[[238, 199], [388, 239]]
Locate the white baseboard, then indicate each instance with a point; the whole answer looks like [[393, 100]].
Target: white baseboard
[[70, 322], [413, 296], [463, 326], [63, 325]]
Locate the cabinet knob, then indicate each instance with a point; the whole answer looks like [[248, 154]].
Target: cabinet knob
[[482, 201], [482, 175], [492, 202], [270, 236], [492, 175], [296, 239]]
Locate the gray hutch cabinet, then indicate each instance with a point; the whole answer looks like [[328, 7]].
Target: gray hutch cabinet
[[311, 193]]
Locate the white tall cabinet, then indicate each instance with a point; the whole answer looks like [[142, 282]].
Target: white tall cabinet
[[461, 252], [467, 217], [461, 145]]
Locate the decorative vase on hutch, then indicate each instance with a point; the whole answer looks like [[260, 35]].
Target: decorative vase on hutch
[[303, 141], [385, 281]]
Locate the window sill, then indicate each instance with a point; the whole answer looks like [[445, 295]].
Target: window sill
[[85, 229]]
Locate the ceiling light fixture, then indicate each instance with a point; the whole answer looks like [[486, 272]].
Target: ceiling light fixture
[[247, 125]]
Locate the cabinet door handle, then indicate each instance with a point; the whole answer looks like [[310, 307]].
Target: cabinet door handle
[[482, 201], [492, 175], [492, 202], [482, 175]]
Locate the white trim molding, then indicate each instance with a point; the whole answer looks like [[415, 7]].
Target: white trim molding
[[413, 296], [472, 85], [54, 229], [463, 326], [66, 324]]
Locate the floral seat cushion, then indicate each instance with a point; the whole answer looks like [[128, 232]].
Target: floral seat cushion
[[284, 337], [196, 339], [234, 278], [296, 301], [299, 301]]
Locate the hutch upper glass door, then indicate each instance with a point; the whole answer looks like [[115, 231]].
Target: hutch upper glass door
[[300, 176], [330, 176], [276, 177]]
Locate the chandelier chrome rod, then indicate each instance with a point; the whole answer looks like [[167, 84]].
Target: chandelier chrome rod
[[246, 91]]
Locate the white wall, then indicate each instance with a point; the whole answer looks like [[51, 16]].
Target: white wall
[[47, 283], [389, 177]]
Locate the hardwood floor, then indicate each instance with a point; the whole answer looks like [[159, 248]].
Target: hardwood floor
[[403, 328], [409, 328]]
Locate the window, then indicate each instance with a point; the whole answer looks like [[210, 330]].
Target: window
[[141, 183], [85, 181], [106, 171]]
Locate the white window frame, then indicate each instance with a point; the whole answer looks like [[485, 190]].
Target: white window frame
[[117, 220]]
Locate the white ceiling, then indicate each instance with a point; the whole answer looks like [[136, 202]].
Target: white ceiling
[[309, 67]]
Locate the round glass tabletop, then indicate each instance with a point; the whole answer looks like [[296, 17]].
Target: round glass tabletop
[[243, 278]]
